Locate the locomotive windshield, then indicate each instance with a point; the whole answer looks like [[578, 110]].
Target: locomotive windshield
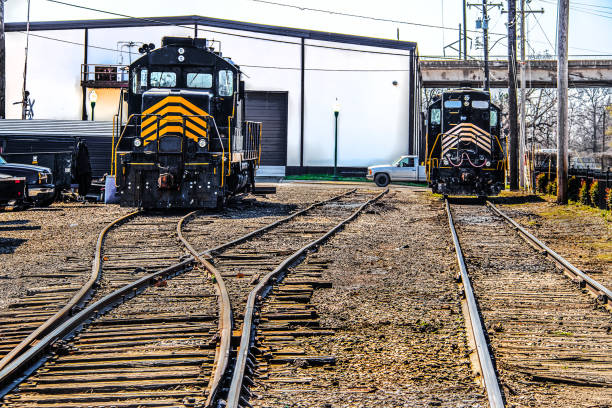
[[191, 78], [480, 104], [199, 80], [163, 79], [452, 104]]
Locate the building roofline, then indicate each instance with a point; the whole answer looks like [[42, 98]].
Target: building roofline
[[212, 22]]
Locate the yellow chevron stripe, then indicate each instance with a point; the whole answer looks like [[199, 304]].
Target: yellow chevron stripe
[[174, 109], [163, 116], [153, 128], [175, 99]]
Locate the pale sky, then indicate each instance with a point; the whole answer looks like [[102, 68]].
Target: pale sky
[[590, 20]]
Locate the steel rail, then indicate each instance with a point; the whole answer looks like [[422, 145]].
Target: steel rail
[[22, 364], [261, 230], [222, 353], [247, 328], [603, 293], [77, 301], [484, 357], [27, 362]]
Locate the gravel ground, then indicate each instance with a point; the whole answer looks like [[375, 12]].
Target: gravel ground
[[48, 240], [250, 213], [580, 234], [399, 333]]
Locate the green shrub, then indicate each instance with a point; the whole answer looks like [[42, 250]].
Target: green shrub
[[583, 193], [551, 188], [541, 182], [609, 198], [596, 194], [573, 187]]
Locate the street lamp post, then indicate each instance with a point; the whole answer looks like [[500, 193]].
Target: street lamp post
[[336, 113], [93, 97]]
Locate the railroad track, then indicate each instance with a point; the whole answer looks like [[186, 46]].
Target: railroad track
[[44, 307], [145, 352], [548, 336], [284, 251]]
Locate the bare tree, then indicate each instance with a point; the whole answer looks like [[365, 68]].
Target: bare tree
[[587, 109]]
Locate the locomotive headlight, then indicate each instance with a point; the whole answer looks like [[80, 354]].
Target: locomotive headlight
[[202, 143], [181, 58], [481, 157], [137, 142], [488, 163]]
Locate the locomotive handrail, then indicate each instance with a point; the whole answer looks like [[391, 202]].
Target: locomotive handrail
[[431, 154], [501, 150], [117, 145]]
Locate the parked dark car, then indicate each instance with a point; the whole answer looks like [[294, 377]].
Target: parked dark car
[[40, 190]]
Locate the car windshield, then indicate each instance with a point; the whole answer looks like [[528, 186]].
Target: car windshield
[[2, 161], [395, 163]]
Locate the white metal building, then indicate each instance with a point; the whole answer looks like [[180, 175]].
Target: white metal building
[[294, 78]]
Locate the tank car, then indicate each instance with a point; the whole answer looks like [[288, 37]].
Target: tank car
[[185, 143], [465, 153]]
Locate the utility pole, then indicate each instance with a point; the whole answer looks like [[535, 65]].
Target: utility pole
[[562, 108], [523, 100], [523, 134], [512, 106], [484, 24], [2, 64], [485, 40], [464, 31], [603, 136], [24, 94]]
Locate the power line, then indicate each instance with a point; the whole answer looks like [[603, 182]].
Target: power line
[[241, 65], [542, 28], [226, 33], [324, 69], [586, 10], [72, 42], [386, 20]]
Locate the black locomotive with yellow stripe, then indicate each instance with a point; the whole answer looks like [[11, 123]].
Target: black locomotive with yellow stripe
[[185, 143], [465, 150]]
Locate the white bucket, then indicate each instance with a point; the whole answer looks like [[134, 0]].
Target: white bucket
[[110, 191]]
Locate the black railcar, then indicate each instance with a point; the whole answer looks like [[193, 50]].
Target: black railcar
[[465, 153], [185, 143]]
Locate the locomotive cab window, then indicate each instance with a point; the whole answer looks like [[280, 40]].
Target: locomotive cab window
[[452, 104], [435, 117], [493, 118], [480, 104], [199, 80], [226, 83], [139, 80], [163, 79]]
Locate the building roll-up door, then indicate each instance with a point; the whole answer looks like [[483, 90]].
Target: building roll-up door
[[270, 108]]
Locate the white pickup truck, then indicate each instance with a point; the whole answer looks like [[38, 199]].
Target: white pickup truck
[[406, 168]]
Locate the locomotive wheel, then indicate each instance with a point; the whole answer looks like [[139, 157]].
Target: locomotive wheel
[[382, 180]]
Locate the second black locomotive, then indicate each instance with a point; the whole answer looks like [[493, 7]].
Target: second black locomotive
[[465, 152]]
